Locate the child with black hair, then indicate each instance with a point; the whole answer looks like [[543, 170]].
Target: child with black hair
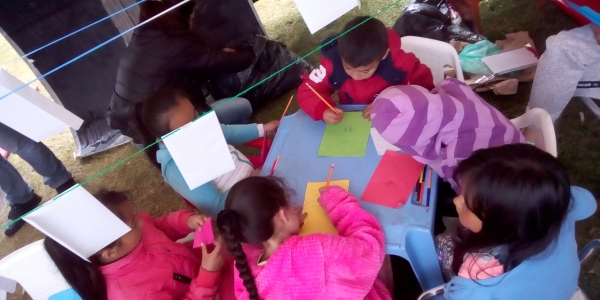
[[167, 110], [146, 262], [260, 228], [359, 65], [518, 240]]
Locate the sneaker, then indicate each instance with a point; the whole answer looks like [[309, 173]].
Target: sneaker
[[65, 186], [18, 210]]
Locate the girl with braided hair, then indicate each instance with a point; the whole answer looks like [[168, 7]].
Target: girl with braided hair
[[260, 228]]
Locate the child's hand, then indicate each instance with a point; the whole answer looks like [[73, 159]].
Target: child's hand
[[271, 127], [333, 117], [302, 216], [213, 261], [196, 221], [366, 114]]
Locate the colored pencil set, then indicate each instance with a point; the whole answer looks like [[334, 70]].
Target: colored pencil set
[[420, 188]]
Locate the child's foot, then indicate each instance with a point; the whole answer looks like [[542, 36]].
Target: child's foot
[[17, 211]]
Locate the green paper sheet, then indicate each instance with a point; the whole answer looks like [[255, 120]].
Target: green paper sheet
[[348, 138]]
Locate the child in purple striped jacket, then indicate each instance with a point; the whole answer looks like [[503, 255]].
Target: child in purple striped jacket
[[442, 127]]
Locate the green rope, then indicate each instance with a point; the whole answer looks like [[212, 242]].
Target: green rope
[[213, 109]]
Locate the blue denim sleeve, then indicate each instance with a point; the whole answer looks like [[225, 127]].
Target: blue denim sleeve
[[239, 134]]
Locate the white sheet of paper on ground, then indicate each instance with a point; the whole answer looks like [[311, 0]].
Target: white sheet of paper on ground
[[381, 145], [31, 113], [319, 13], [200, 151], [509, 61], [79, 222]]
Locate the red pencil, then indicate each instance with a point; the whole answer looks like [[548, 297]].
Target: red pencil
[[428, 189], [274, 165]]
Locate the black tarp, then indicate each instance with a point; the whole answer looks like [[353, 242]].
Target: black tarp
[[85, 86]]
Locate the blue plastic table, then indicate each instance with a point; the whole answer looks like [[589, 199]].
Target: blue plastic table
[[408, 228]]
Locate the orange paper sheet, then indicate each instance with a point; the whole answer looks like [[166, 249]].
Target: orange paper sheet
[[393, 180], [317, 220]]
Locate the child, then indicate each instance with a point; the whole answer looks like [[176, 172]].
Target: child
[[167, 110], [443, 127], [146, 262], [519, 218], [360, 64], [276, 263]]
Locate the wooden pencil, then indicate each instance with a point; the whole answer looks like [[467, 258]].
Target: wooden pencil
[[274, 165], [329, 177], [288, 106], [322, 99]]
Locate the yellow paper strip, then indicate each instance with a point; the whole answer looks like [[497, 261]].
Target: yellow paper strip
[[317, 220]]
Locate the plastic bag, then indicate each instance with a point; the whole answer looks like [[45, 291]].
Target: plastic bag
[[270, 57], [470, 57], [431, 19]]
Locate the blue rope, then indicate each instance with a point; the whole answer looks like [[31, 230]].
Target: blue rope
[[92, 50], [70, 34]]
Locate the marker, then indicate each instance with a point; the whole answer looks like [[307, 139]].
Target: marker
[[428, 189]]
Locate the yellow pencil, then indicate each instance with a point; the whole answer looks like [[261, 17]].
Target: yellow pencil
[[329, 177], [322, 99], [288, 106]]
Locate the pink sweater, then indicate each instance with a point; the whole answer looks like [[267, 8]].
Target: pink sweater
[[148, 272], [324, 266]]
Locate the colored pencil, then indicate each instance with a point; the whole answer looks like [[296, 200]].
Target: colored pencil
[[322, 99], [420, 189], [428, 189], [288, 106], [274, 165], [329, 177]]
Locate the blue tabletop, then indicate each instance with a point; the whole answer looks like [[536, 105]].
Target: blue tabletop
[[297, 142]]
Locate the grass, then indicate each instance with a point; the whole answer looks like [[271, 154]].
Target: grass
[[578, 141]]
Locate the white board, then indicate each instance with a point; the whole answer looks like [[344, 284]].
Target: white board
[[78, 221], [200, 151], [31, 113], [319, 13]]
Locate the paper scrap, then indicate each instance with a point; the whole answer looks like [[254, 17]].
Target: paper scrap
[[318, 13], [79, 222], [205, 235], [200, 151], [31, 113], [381, 144], [509, 61], [347, 138], [317, 220], [393, 181]]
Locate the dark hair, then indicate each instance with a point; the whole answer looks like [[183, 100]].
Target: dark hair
[[85, 277], [248, 218], [364, 44], [152, 123], [174, 21], [520, 193]]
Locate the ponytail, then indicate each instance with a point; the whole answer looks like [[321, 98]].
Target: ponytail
[[229, 225], [85, 278]]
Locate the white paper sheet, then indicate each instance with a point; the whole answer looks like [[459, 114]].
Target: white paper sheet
[[200, 151], [381, 145], [79, 222], [319, 13], [509, 61], [31, 113]]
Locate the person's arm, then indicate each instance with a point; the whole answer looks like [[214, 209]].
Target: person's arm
[[196, 55], [204, 287], [318, 79], [175, 224], [241, 134], [417, 73], [207, 198]]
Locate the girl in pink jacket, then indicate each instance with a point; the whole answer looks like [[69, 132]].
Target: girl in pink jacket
[[146, 263], [274, 262]]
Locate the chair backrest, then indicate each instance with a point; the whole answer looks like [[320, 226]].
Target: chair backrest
[[434, 54], [538, 129], [31, 267]]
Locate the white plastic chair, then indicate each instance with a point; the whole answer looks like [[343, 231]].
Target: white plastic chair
[[538, 129], [31, 267], [589, 102], [434, 54]]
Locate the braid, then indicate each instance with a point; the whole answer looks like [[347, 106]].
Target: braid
[[228, 224]]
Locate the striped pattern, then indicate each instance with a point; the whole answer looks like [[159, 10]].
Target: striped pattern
[[442, 127]]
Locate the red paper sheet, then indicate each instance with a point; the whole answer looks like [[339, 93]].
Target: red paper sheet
[[393, 180]]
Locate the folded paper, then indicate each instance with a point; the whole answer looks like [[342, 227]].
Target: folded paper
[[31, 113], [200, 151]]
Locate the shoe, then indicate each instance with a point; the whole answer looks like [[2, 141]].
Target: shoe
[[17, 211], [65, 186]]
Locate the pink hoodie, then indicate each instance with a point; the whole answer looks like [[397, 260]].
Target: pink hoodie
[[148, 272], [324, 266]]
